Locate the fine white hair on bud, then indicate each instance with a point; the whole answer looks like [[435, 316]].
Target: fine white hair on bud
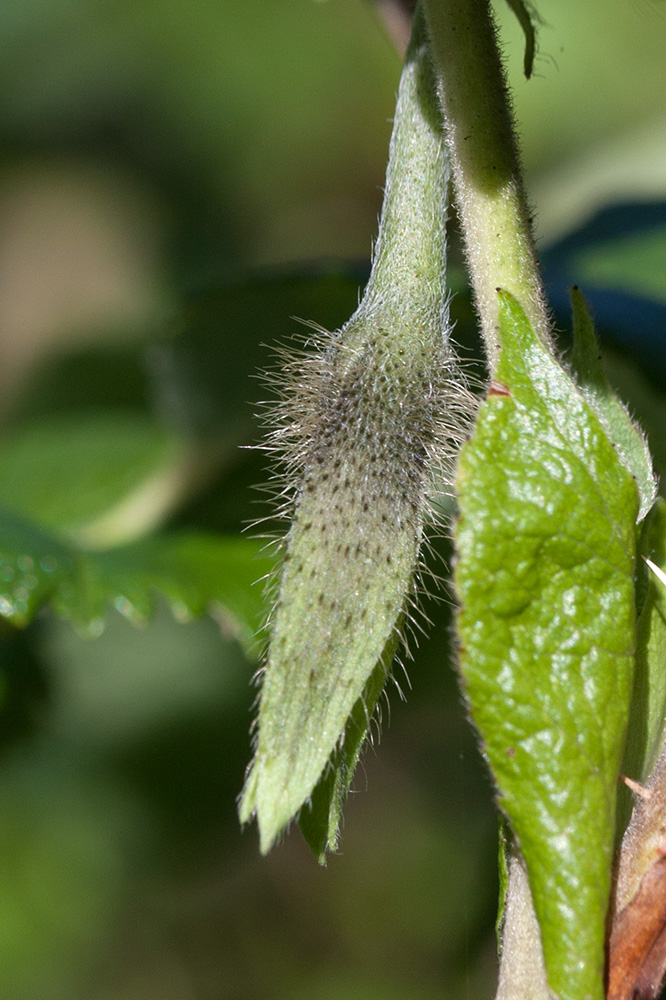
[[365, 433]]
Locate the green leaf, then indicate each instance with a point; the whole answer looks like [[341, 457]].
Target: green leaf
[[101, 479], [33, 564], [320, 819], [633, 262], [648, 709], [546, 542], [646, 402], [503, 856], [194, 573], [622, 432]]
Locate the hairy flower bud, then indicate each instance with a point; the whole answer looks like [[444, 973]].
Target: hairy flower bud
[[367, 425]]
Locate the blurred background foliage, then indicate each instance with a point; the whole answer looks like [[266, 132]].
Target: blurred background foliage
[[177, 181]]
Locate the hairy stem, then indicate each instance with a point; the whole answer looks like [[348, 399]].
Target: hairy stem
[[486, 171], [496, 229], [408, 278]]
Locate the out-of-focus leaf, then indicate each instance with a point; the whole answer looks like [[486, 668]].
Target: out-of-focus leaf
[[195, 573], [101, 480], [33, 564], [632, 261], [617, 256], [546, 542], [621, 247]]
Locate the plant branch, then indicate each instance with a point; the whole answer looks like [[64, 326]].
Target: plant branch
[[496, 228], [487, 177]]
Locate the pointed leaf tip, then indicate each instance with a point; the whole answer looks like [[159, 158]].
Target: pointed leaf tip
[[623, 433]]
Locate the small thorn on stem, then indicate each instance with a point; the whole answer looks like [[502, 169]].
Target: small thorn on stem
[[659, 573], [498, 389], [640, 791]]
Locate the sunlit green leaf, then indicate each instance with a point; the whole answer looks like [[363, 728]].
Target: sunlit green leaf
[[546, 543]]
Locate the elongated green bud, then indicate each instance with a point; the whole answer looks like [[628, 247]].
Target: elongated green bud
[[363, 433]]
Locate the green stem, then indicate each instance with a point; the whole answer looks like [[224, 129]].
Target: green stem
[[495, 222], [486, 171], [408, 270]]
